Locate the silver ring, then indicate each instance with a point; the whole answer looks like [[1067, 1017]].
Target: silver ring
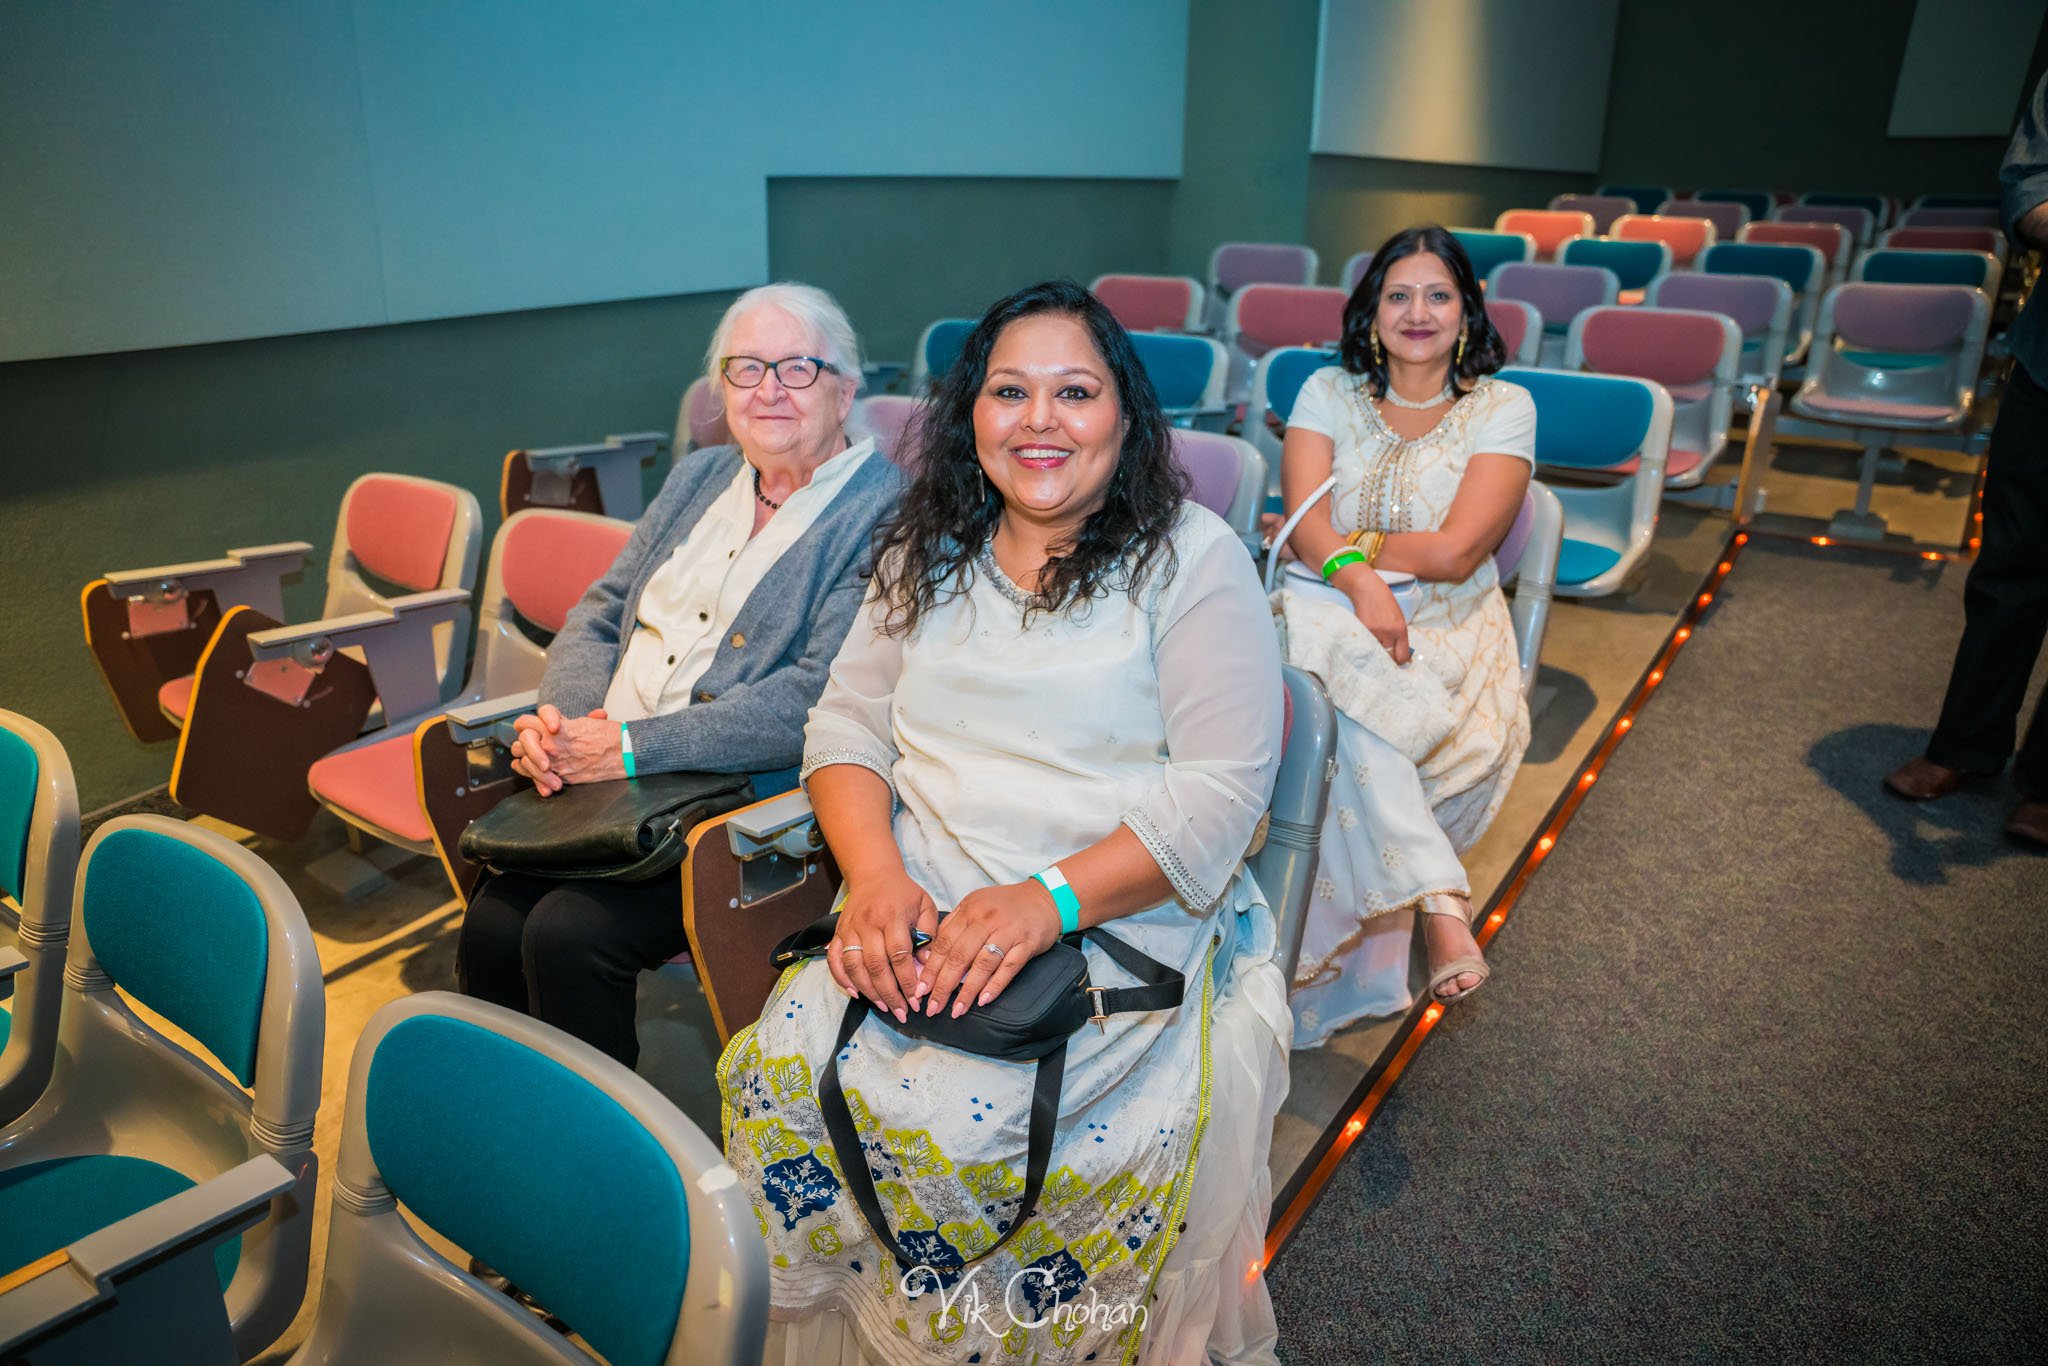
[[845, 949], [991, 948]]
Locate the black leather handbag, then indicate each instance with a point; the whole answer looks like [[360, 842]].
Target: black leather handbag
[[627, 830], [1048, 999]]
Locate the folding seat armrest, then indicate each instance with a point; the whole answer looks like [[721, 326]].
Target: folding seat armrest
[[11, 962], [79, 1286], [398, 645], [784, 825], [615, 461], [490, 719], [250, 577]]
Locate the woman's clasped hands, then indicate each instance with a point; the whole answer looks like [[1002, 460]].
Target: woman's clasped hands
[[553, 749], [960, 960]]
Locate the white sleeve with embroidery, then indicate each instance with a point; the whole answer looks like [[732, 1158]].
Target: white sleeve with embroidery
[[850, 724], [1219, 688]]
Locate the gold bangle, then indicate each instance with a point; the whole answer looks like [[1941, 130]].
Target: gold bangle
[[1374, 543], [1353, 539]]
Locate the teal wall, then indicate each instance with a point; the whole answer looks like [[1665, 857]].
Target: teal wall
[[1355, 203]]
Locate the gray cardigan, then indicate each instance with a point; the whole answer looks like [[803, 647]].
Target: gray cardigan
[[747, 712]]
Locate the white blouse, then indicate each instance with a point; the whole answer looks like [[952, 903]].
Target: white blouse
[[683, 615]]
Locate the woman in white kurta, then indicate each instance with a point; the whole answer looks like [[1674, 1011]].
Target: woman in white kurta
[[1431, 457], [1127, 734]]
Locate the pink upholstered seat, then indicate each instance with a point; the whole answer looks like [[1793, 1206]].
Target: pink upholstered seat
[[1213, 467], [1149, 303], [1549, 227], [1881, 412], [889, 417], [1287, 315], [175, 698], [704, 414], [1604, 208], [1987, 240], [547, 562], [375, 782], [1238, 264], [1678, 461], [1727, 218], [1511, 318], [398, 530], [1687, 237]]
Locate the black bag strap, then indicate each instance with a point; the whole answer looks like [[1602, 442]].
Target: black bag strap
[[853, 1161], [1164, 987]]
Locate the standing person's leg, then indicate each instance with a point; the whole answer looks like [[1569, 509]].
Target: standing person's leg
[[2029, 820], [2005, 606], [585, 946], [489, 963]]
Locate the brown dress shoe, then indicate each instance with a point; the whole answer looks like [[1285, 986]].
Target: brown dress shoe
[[2028, 824], [1922, 780]]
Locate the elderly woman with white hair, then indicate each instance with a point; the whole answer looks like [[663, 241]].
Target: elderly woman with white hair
[[702, 648]]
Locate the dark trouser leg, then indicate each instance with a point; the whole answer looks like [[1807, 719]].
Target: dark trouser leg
[[585, 946], [2005, 602], [488, 962]]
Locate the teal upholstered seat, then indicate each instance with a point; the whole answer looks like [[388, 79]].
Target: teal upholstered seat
[[1582, 562], [18, 780], [48, 1205]]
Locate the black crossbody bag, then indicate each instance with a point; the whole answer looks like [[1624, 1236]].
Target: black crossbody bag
[[1048, 999], [626, 830]]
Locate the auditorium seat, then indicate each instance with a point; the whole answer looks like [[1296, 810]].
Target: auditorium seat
[[1694, 355], [1803, 269], [1490, 249], [1152, 303], [1589, 425], [1520, 327], [1646, 198], [1557, 293], [1548, 229], [1687, 237], [1603, 209], [937, 348], [1955, 201], [1634, 264], [1227, 476], [1883, 209], [1261, 317], [1834, 242], [542, 561], [1276, 383], [1759, 305], [1233, 265], [887, 417], [1355, 267], [38, 862], [597, 476], [1758, 202], [1526, 563], [553, 1164], [211, 1151], [1890, 359], [1987, 217], [1913, 266], [1726, 216], [700, 418], [1190, 374], [1859, 223], [1989, 240]]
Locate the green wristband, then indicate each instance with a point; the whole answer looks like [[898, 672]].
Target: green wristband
[[1055, 882], [1341, 559], [626, 750]]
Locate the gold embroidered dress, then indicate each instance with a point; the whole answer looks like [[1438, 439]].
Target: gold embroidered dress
[[1009, 746], [1425, 752]]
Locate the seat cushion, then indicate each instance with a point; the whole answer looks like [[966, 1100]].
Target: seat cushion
[[1895, 360], [1581, 561], [6, 1019], [374, 782], [1691, 393], [1878, 412], [49, 1205], [1676, 462], [175, 698]]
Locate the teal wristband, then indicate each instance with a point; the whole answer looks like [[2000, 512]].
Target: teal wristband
[[1054, 881], [626, 750]]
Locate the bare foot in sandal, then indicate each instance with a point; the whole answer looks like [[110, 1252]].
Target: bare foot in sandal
[[1456, 967]]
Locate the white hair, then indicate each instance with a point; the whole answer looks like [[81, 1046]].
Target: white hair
[[811, 308]]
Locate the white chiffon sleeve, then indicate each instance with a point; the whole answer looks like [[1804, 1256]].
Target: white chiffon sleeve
[[850, 723], [1219, 689]]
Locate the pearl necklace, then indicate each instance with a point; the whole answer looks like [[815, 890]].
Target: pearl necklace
[[1399, 402]]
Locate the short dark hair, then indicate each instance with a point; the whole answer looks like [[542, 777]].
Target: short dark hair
[[1484, 351], [925, 553]]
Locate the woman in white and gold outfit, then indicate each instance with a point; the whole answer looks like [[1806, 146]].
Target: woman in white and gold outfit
[[1063, 670], [1431, 457]]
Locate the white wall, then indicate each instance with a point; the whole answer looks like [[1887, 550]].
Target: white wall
[[222, 169], [1515, 83]]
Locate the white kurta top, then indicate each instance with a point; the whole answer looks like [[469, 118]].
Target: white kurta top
[[1009, 746], [683, 615]]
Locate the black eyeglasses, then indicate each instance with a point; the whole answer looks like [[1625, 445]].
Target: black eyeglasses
[[794, 372]]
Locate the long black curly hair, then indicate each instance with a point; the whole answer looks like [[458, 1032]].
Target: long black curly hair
[[1484, 352], [925, 553]]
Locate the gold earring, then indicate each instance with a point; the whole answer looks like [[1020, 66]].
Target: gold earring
[[1459, 359], [1378, 356]]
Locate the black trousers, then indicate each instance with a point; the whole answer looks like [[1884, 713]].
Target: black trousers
[[570, 953], [2005, 604]]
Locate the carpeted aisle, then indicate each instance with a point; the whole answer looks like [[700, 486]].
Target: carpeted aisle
[[1760, 1073]]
